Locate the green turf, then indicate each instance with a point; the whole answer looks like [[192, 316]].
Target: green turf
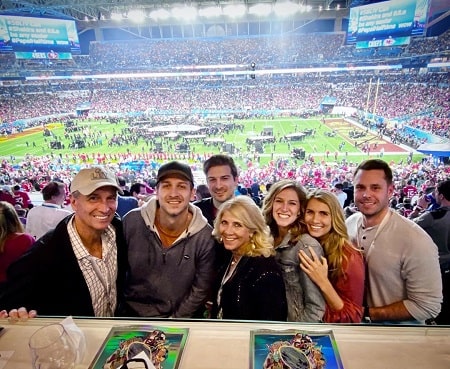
[[37, 144]]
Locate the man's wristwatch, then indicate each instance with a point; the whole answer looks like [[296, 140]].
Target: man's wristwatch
[[366, 315]]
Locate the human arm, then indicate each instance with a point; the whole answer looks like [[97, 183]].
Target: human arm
[[21, 287], [424, 220], [394, 311], [417, 211], [202, 283], [271, 300], [48, 279], [423, 300], [317, 269], [344, 295], [422, 276], [269, 297], [313, 299], [408, 273], [420, 208], [26, 283]]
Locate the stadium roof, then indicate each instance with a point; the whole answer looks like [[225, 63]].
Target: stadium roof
[[82, 10]]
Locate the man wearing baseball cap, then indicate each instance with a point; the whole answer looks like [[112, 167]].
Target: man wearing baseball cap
[[79, 267], [170, 249]]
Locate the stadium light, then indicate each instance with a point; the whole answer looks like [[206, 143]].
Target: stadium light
[[234, 11], [211, 11], [286, 8], [116, 16], [208, 74], [260, 10], [136, 15], [184, 12], [161, 14], [283, 8]]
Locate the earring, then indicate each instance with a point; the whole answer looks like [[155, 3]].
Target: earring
[[221, 240], [252, 243]]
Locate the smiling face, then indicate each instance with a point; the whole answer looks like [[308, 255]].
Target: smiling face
[[174, 195], [94, 212], [286, 207], [233, 233], [372, 194], [317, 218], [221, 183]]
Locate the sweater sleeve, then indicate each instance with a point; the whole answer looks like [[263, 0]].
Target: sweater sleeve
[[270, 297], [202, 282], [422, 277], [350, 288], [314, 302], [424, 220]]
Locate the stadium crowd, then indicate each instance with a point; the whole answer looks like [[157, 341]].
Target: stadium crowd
[[267, 51], [418, 103], [417, 99]]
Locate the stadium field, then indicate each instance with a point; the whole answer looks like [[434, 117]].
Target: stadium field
[[330, 140]]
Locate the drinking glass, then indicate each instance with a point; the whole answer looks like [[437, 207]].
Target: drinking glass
[[52, 348]]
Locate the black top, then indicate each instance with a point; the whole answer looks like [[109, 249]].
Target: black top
[[254, 292], [48, 278], [207, 208]]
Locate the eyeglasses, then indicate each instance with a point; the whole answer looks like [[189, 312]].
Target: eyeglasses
[[136, 363]]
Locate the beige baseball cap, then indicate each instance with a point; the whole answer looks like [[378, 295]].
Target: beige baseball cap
[[87, 180]]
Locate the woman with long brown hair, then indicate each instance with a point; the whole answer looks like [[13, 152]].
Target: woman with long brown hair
[[340, 274], [13, 241], [283, 211]]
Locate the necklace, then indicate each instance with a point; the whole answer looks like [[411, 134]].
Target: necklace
[[231, 268], [235, 260], [378, 229]]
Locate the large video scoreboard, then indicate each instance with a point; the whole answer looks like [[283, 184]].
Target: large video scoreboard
[[38, 38], [387, 23]]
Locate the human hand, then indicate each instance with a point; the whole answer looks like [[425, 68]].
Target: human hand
[[423, 202], [14, 315], [316, 268]]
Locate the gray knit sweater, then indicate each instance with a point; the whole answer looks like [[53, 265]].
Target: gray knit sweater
[[403, 265]]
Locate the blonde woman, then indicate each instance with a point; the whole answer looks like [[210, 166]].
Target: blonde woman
[[340, 274], [250, 286], [13, 241]]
